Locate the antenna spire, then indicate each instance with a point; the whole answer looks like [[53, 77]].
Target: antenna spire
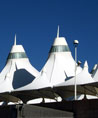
[[58, 32], [15, 40]]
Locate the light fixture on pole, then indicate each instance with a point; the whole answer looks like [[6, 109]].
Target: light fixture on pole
[[76, 42]]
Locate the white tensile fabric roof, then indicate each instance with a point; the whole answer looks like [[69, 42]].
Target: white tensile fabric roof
[[18, 71], [84, 82], [60, 62], [83, 77], [55, 79], [59, 67]]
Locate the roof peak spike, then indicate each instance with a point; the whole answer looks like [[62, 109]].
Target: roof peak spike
[[85, 65], [15, 40], [58, 32]]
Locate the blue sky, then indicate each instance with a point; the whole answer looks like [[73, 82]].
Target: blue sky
[[35, 24]]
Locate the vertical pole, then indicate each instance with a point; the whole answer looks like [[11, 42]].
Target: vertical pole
[[75, 73]]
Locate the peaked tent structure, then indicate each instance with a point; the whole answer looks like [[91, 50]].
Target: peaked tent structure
[[18, 71], [60, 63]]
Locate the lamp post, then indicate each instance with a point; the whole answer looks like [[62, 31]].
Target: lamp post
[[75, 81]]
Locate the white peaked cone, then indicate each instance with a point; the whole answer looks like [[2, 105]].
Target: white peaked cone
[[18, 71], [85, 65], [60, 61]]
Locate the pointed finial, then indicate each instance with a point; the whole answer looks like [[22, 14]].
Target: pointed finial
[[15, 40], [58, 32], [85, 65]]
